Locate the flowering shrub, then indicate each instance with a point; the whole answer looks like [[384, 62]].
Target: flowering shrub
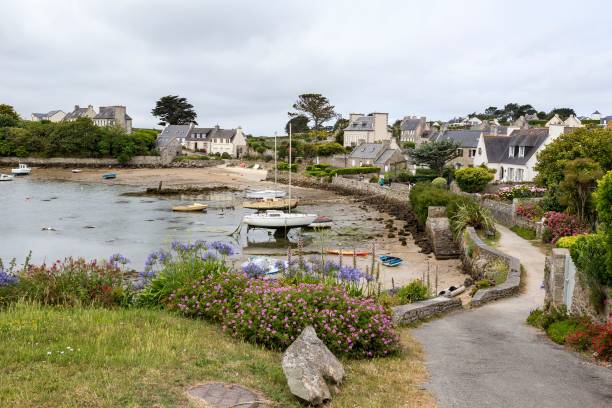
[[564, 225], [273, 314], [520, 191], [529, 210], [602, 342]]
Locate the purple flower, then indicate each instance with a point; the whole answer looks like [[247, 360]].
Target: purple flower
[[222, 247], [154, 258], [7, 278], [118, 259], [208, 255], [349, 274], [253, 270]]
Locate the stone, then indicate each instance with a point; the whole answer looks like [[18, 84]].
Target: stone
[[311, 369], [222, 395]]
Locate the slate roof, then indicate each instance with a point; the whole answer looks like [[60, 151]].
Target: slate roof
[[369, 151], [410, 123], [172, 132], [464, 138], [385, 156], [75, 114], [361, 123], [498, 147], [107, 112]]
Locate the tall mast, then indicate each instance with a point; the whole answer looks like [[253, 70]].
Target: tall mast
[[290, 168], [275, 165]]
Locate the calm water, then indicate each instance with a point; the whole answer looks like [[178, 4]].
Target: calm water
[[135, 226]]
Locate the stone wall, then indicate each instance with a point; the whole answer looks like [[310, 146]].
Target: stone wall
[[480, 252], [136, 161], [406, 314], [439, 232]]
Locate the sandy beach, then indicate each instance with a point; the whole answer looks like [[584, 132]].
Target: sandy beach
[[363, 225]]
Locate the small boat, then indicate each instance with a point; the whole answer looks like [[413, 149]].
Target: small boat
[[271, 204], [22, 170], [261, 194], [6, 177], [321, 222], [109, 176], [190, 208], [278, 219], [345, 252], [76, 170], [388, 260]]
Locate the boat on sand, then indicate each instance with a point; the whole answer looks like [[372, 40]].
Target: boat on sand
[[321, 222], [195, 207], [271, 204], [22, 170], [392, 261], [346, 252], [278, 219], [108, 176], [6, 177], [262, 194]]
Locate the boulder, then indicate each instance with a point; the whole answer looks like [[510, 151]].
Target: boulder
[[311, 368]]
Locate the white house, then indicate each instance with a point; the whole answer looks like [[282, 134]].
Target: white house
[[467, 140], [514, 157], [207, 140], [596, 115], [572, 121], [555, 120], [371, 128], [52, 116]]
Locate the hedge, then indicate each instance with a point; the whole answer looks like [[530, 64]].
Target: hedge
[[357, 170]]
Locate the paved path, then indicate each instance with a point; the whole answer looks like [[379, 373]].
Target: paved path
[[489, 357]]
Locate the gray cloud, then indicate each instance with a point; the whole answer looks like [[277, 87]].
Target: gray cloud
[[244, 62]]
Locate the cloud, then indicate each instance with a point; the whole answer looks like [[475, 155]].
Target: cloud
[[244, 62]]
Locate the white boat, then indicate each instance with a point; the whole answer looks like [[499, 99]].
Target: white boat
[[278, 219], [22, 170], [261, 194], [6, 177], [76, 170]]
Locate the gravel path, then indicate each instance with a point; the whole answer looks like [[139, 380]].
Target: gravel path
[[489, 357]]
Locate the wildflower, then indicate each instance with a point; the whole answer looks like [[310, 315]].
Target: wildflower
[[349, 274], [7, 278], [253, 270], [118, 259], [223, 248]]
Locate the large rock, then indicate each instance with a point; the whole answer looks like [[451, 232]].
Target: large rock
[[311, 368]]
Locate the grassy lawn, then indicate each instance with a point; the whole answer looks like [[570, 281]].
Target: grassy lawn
[[70, 357], [525, 233]]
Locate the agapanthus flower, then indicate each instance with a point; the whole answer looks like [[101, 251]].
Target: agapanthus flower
[[118, 259], [349, 274], [222, 247], [253, 270], [7, 278]]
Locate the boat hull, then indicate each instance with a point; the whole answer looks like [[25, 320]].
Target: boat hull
[[287, 221], [262, 194], [190, 208], [275, 204], [20, 172], [346, 252]]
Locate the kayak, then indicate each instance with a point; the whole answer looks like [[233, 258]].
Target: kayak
[[390, 260], [344, 252]]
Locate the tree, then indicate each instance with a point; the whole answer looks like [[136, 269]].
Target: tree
[[7, 120], [316, 107], [595, 144], [435, 154], [174, 110], [10, 111], [299, 124], [603, 200], [563, 113], [338, 130], [396, 129], [580, 177], [514, 110]]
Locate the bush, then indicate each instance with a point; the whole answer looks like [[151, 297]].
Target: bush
[[543, 319], [374, 179], [282, 166], [529, 210], [463, 213], [424, 195], [413, 292], [272, 314], [226, 155], [520, 191], [357, 170], [473, 179], [403, 177], [589, 253], [558, 331], [563, 225], [525, 233], [439, 182], [567, 242], [602, 342]]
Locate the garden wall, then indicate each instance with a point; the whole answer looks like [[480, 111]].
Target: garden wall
[[136, 161], [476, 253], [406, 314], [439, 232]]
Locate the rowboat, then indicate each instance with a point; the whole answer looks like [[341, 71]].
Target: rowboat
[[388, 260], [345, 252], [190, 208], [321, 222], [6, 177], [261, 194], [278, 219], [109, 176], [76, 170], [22, 170], [271, 204]]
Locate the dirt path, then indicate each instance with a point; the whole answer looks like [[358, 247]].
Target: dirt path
[[489, 357]]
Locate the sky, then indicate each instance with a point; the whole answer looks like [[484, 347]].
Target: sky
[[243, 63]]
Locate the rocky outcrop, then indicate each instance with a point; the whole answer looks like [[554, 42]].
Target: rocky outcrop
[[311, 369]]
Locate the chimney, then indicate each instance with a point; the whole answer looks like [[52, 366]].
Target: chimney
[[76, 107], [354, 116], [119, 113]]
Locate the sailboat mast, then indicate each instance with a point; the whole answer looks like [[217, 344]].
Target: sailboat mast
[[275, 165], [290, 168]]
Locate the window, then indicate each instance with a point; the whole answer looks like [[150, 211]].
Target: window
[[460, 152], [510, 174], [521, 152], [471, 152], [511, 151], [480, 151], [519, 174]]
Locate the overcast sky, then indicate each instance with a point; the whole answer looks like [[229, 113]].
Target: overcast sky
[[244, 62]]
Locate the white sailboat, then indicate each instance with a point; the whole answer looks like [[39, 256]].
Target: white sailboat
[[280, 219], [6, 177]]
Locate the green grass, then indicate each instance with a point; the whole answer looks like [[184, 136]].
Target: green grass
[[525, 233], [558, 331], [56, 357], [491, 241]]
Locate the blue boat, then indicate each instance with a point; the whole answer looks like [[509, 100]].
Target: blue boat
[[109, 176], [388, 260]]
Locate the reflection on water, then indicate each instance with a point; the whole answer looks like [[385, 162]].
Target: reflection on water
[[96, 221]]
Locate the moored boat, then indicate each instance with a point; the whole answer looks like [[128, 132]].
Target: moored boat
[[76, 170], [6, 177], [108, 176], [278, 219], [271, 204], [263, 194], [190, 208], [22, 170], [392, 261], [346, 252], [322, 222]]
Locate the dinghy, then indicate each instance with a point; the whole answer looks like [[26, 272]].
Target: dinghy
[[271, 204], [388, 260], [22, 170], [346, 252], [321, 222], [108, 176], [6, 177], [195, 207], [76, 170]]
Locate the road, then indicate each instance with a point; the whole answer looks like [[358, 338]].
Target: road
[[489, 357]]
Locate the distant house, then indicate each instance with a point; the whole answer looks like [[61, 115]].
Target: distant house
[[230, 141], [521, 122], [514, 157], [208, 140], [385, 155], [52, 116], [596, 115], [170, 141], [113, 116], [607, 121], [572, 121], [555, 120], [473, 121], [412, 129], [372, 128], [468, 145], [79, 112]]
